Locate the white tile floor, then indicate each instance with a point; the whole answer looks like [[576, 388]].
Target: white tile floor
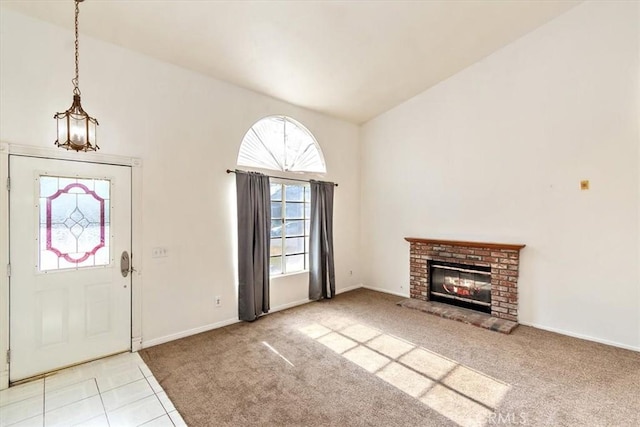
[[118, 391]]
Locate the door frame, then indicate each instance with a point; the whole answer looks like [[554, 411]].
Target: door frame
[[6, 150]]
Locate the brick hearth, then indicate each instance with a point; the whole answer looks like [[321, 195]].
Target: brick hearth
[[504, 260]]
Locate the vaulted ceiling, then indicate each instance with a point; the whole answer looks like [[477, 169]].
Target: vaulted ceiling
[[348, 59]]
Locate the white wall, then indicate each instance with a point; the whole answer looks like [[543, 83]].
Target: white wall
[[187, 129], [497, 152]]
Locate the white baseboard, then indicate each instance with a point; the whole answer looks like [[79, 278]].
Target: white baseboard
[[289, 305], [211, 326], [297, 303], [386, 291], [187, 333], [582, 337], [350, 288]]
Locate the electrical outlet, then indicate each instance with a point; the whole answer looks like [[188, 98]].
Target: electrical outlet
[[218, 302], [159, 252]]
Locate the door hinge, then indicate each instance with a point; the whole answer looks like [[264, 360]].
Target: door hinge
[[8, 270], [8, 183], [8, 356]]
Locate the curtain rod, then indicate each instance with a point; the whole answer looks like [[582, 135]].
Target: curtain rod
[[280, 177]]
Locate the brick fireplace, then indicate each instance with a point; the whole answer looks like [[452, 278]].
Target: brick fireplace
[[502, 260]]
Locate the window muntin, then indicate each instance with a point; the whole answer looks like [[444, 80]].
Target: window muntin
[[281, 143], [74, 222], [290, 223]]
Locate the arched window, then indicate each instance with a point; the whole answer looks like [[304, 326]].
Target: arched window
[[281, 143]]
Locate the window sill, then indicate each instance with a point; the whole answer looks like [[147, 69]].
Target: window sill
[[297, 273]]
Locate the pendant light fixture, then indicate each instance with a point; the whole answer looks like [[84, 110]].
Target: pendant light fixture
[[76, 129]]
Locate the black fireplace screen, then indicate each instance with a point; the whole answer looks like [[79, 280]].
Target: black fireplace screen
[[464, 285]]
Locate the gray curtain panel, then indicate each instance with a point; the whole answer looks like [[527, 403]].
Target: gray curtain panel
[[254, 229], [322, 280]]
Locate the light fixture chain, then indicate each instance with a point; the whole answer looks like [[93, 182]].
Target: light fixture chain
[[76, 80], [75, 128]]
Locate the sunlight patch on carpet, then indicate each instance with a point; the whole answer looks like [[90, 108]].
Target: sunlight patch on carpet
[[366, 358], [337, 342], [360, 333], [463, 395], [266, 344]]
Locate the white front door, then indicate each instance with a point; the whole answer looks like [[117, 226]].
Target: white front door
[[69, 224]]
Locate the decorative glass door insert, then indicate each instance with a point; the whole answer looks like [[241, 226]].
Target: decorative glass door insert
[[74, 222]]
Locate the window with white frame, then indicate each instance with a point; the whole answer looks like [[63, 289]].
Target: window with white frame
[[290, 210], [281, 143]]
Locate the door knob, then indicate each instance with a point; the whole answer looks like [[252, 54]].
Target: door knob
[[125, 264]]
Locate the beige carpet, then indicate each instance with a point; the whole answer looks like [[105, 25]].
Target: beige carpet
[[361, 360]]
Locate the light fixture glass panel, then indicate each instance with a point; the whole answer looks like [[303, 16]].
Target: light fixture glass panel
[[63, 129], [93, 133], [78, 130]]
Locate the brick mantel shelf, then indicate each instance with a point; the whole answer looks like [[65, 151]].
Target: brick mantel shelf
[[466, 244], [502, 258]]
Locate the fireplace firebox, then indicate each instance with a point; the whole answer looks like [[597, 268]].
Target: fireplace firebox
[[463, 285], [502, 259]]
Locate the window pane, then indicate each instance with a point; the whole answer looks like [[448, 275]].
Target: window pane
[[280, 143], [48, 185], [307, 210], [276, 192], [294, 210], [294, 193], [294, 245], [276, 228], [276, 247], [288, 222], [74, 222], [294, 228], [276, 210], [295, 263], [275, 265]]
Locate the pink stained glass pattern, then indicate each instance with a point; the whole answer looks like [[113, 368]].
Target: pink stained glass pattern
[[75, 223]]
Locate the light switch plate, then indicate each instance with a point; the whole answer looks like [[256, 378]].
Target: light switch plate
[[159, 252]]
